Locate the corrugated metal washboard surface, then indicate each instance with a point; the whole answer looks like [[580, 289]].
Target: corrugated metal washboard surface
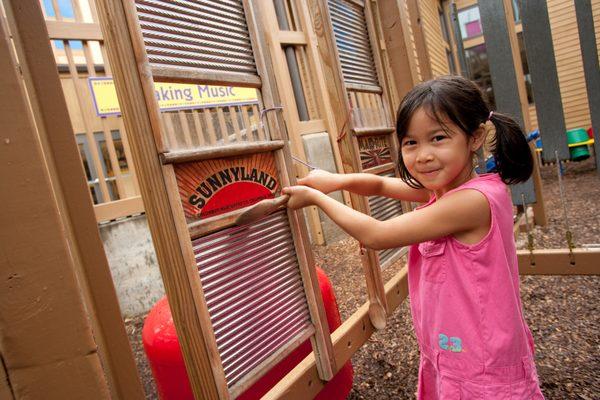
[[384, 208], [253, 288], [352, 40], [210, 35]]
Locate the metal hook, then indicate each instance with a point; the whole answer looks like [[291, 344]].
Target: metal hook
[[265, 110]]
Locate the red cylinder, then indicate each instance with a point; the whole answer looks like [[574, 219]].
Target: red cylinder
[[166, 360]]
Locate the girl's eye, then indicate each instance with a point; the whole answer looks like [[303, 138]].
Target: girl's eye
[[438, 138], [409, 143]]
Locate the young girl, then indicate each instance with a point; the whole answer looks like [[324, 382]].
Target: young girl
[[462, 267]]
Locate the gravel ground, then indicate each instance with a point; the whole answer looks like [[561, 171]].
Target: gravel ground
[[562, 312]]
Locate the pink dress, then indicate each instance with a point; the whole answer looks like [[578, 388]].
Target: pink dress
[[467, 313]]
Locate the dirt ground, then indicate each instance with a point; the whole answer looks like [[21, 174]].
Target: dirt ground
[[562, 312]]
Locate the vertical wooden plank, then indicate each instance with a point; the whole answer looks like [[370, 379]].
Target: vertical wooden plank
[[378, 46], [127, 150], [210, 126], [185, 127], [357, 114], [167, 224], [56, 9], [233, 112], [256, 117], [222, 124], [169, 129], [397, 38], [89, 134], [247, 126], [198, 132]]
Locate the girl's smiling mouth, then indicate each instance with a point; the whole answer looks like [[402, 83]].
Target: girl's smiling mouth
[[430, 172]]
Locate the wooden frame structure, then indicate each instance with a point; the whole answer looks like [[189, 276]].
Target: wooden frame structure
[[168, 147], [362, 113]]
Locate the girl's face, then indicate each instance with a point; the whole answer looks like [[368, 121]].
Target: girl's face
[[440, 159]]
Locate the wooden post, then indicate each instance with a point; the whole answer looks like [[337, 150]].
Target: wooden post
[[416, 23], [48, 349], [133, 81], [61, 152], [397, 37]]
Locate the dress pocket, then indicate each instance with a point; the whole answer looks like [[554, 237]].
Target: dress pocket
[[434, 260]]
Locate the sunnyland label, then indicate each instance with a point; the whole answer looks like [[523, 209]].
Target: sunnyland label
[[214, 187], [172, 96]]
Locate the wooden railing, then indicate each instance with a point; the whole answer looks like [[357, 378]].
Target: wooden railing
[[78, 47]]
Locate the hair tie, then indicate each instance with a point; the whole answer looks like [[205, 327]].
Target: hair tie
[[489, 118]]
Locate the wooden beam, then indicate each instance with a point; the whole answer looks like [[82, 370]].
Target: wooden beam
[[291, 37], [230, 150], [61, 30], [118, 209], [198, 75], [302, 382], [558, 262], [73, 196]]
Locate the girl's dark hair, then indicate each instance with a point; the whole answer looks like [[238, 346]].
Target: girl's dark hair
[[461, 101]]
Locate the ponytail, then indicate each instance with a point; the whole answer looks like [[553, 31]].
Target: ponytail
[[511, 150]]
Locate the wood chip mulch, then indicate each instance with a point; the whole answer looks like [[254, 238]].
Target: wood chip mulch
[[562, 311]]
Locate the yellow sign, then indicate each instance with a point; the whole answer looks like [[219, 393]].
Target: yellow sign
[[172, 96]]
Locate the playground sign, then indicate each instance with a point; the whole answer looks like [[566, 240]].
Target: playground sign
[[172, 96]]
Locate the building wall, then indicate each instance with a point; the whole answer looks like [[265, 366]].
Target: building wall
[[569, 63], [414, 45], [434, 38]]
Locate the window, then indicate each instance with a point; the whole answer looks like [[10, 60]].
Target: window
[[469, 21], [516, 11], [476, 56], [479, 69], [107, 167], [446, 37]]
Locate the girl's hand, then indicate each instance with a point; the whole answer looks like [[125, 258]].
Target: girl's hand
[[300, 196], [323, 181]]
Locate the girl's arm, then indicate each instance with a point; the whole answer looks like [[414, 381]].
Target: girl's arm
[[461, 212], [364, 184]]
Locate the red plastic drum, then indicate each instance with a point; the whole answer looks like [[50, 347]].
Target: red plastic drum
[[166, 360]]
